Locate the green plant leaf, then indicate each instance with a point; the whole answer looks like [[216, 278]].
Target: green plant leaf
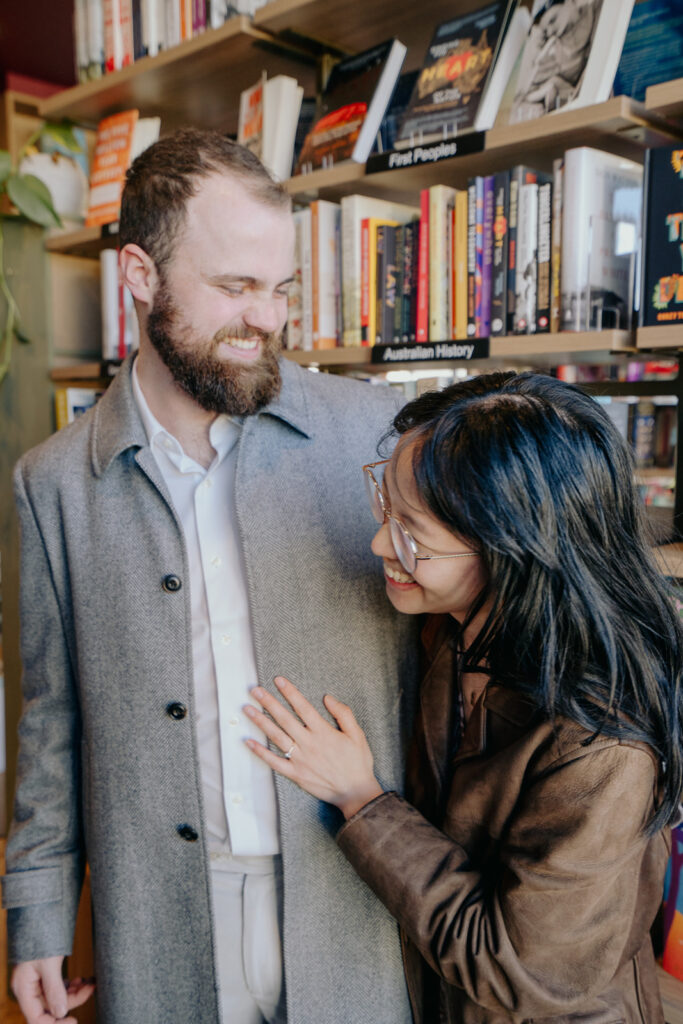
[[32, 197], [20, 336], [62, 133], [5, 165]]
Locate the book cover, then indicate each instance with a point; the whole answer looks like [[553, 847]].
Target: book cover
[[556, 252], [120, 138], [513, 40], [487, 256], [352, 105], [544, 250], [422, 312], [653, 49], [72, 402], [324, 218], [250, 117], [471, 258], [354, 209], [520, 175], [600, 230], [441, 205], [569, 58], [370, 265], [460, 258], [478, 254], [662, 275], [454, 74], [282, 98], [499, 270], [525, 276]]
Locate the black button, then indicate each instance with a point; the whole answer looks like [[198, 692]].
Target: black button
[[188, 833], [171, 584], [176, 710]]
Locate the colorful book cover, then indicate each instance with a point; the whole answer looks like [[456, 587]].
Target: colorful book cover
[[478, 255], [544, 252], [369, 228], [556, 254], [461, 264], [499, 272], [422, 324], [520, 175], [471, 258], [527, 245], [454, 75], [400, 271], [653, 49], [487, 255], [411, 238], [119, 139], [352, 105], [662, 276], [388, 299]]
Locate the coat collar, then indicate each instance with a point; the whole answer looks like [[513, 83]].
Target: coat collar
[[117, 425]]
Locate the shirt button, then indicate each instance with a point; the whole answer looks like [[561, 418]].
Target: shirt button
[[187, 833], [233, 721], [226, 640], [176, 710], [171, 583], [237, 799], [215, 562], [208, 482], [168, 444]]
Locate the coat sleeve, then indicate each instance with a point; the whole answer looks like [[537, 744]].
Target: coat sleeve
[[553, 916], [44, 850]]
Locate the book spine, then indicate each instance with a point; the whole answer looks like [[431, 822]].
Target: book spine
[[377, 316], [95, 25], [127, 32], [390, 290], [109, 302], [556, 251], [499, 284], [364, 279], [294, 299], [81, 39], [324, 217], [478, 255], [351, 272], [375, 276], [461, 201], [527, 238], [61, 408], [408, 305], [139, 19], [307, 280], [452, 276], [315, 271], [487, 258], [471, 258], [400, 270], [439, 197], [545, 225], [422, 325], [414, 282], [113, 43]]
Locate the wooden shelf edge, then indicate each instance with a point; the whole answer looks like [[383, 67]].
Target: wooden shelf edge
[[665, 98], [664, 336]]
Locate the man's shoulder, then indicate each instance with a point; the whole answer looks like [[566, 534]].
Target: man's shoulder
[[54, 457], [347, 394]]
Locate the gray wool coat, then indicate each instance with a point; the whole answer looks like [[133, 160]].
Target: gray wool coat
[[106, 774]]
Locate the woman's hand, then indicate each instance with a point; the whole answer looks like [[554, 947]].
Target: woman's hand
[[334, 765]]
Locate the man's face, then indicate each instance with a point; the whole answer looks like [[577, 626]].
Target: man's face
[[221, 303]]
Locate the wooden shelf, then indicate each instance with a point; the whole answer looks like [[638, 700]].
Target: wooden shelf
[[665, 336], [86, 242], [195, 83], [666, 100]]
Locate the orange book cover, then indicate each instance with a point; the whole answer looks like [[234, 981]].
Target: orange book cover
[[109, 165]]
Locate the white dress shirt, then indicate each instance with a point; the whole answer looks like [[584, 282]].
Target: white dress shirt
[[239, 792]]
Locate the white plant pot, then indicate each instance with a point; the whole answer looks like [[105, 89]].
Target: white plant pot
[[65, 179]]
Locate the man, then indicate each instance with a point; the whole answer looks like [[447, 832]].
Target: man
[[202, 529]]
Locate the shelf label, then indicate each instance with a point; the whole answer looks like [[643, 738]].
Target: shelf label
[[477, 348], [430, 153]]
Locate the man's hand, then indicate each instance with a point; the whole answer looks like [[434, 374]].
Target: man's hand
[[42, 994]]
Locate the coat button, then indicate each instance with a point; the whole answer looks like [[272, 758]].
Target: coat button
[[188, 833], [171, 583], [176, 710]]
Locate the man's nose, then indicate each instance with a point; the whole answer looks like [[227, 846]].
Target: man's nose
[[265, 314]]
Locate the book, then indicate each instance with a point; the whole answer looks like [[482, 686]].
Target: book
[[72, 402], [441, 205], [422, 311], [661, 300], [460, 260], [478, 254], [543, 257], [306, 278], [499, 269], [653, 49], [484, 329], [250, 117], [386, 274], [569, 58], [513, 41], [391, 122], [354, 209], [353, 103], [519, 175], [527, 244], [324, 219], [411, 234], [295, 310], [556, 251], [600, 228], [454, 75], [119, 140], [267, 122], [369, 268], [471, 258]]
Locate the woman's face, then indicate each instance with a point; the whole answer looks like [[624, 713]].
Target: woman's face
[[446, 585]]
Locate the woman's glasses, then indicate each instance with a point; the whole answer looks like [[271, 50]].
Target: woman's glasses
[[404, 544]]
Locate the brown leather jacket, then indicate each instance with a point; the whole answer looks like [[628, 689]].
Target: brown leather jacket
[[526, 883]]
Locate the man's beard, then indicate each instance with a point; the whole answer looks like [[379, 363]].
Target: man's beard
[[217, 385]]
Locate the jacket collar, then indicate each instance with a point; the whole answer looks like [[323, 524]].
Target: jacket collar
[[117, 425]]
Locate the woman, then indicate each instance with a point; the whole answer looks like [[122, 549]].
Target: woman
[[527, 868]]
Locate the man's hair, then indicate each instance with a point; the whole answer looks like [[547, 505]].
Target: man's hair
[[534, 475], [168, 173]]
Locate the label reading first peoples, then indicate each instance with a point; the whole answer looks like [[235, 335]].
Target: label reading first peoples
[[478, 349], [416, 156]]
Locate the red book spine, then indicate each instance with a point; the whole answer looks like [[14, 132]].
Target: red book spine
[[423, 270]]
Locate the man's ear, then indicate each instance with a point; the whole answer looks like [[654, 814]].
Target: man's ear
[[138, 273]]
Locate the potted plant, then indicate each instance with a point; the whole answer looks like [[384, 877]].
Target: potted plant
[[30, 197]]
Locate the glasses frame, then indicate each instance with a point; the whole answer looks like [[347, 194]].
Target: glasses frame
[[398, 524]]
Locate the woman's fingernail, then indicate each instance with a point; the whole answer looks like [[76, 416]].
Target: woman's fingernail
[[280, 682], [258, 691]]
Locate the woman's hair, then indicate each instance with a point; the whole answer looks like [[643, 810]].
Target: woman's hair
[[532, 472]]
